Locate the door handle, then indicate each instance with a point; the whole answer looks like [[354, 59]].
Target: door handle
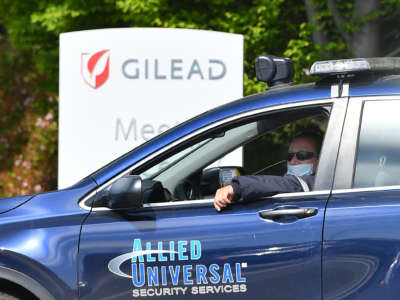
[[299, 213]]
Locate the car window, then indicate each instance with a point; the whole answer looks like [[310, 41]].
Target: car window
[[187, 175], [378, 159], [167, 163]]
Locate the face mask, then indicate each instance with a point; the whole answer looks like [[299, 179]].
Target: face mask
[[300, 170]]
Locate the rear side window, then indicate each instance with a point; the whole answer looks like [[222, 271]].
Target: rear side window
[[378, 154]]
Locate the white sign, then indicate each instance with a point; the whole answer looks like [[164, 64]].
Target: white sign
[[121, 87]]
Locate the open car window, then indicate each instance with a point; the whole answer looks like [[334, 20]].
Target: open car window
[[174, 159], [186, 175]]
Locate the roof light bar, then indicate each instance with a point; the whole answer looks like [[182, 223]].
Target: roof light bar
[[339, 66], [356, 65]]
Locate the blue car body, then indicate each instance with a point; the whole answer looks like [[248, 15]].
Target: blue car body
[[55, 247]]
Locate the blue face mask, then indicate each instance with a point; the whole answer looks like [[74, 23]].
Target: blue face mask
[[300, 170]]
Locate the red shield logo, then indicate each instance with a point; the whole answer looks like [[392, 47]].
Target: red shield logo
[[95, 68]]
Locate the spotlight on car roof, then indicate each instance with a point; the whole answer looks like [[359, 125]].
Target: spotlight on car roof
[[274, 70], [388, 65]]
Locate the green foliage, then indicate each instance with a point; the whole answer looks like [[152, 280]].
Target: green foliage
[[28, 132], [267, 25]]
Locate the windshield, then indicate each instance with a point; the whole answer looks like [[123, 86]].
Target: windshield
[[165, 164]]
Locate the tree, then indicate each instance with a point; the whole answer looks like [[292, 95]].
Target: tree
[[363, 25]]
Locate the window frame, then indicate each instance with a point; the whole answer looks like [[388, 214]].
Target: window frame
[[347, 156], [337, 113]]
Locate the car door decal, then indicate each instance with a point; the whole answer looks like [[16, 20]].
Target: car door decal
[[154, 268]]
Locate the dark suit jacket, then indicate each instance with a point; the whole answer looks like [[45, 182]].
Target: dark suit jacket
[[253, 186]]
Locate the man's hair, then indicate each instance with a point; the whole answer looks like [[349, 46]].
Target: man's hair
[[311, 135]]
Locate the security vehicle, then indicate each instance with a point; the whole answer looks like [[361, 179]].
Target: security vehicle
[[144, 226]]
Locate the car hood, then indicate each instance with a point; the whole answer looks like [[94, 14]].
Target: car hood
[[7, 204]]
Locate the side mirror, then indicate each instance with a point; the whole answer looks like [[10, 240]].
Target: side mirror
[[125, 193]]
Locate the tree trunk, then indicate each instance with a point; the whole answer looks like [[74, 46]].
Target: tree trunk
[[318, 35], [365, 41]]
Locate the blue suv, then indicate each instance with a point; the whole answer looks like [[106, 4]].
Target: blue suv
[[144, 226]]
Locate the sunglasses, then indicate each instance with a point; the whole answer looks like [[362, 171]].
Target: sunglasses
[[301, 155]]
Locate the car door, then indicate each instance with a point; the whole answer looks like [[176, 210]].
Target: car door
[[361, 247], [266, 249]]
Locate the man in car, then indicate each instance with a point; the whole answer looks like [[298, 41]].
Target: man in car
[[302, 162]]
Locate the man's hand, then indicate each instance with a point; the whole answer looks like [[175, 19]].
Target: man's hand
[[223, 197]]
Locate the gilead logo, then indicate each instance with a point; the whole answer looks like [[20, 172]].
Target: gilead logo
[[174, 69], [95, 67]]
